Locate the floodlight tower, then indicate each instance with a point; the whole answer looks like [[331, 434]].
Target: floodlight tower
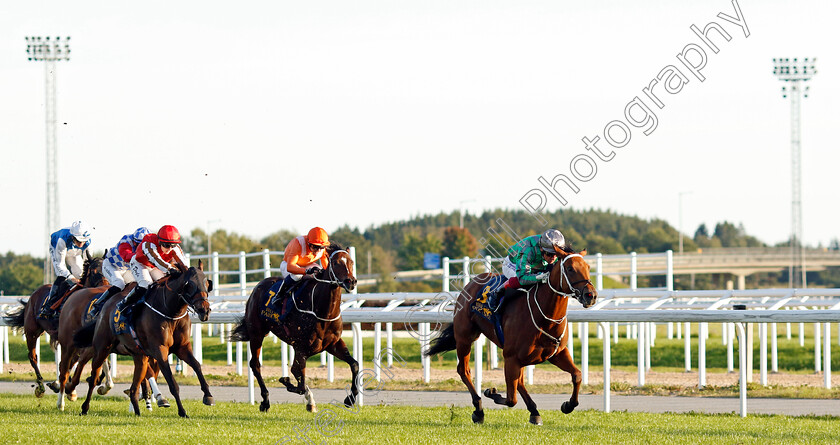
[[795, 74], [49, 51]]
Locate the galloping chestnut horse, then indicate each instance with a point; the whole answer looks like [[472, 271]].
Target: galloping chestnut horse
[[313, 326], [70, 321], [534, 328], [162, 326], [33, 327]]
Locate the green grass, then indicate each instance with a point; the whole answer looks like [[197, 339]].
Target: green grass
[[29, 420]]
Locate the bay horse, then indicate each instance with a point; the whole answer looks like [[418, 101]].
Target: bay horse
[[26, 317], [534, 328], [162, 326], [313, 325], [70, 321]]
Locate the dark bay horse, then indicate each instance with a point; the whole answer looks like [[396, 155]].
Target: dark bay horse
[[534, 328], [313, 325], [33, 327], [162, 326]]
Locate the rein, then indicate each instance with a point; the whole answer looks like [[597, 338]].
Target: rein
[[186, 311], [333, 280]]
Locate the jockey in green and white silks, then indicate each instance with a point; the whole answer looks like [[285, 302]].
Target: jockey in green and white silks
[[528, 262]]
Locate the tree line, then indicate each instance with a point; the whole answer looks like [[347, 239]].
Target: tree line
[[401, 245]]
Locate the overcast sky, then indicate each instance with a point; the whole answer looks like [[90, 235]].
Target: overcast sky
[[277, 114]]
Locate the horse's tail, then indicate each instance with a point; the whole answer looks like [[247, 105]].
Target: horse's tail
[[15, 319], [83, 338], [240, 332], [445, 341]]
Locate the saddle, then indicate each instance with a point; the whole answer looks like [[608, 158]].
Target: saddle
[[93, 309], [279, 302], [480, 306]]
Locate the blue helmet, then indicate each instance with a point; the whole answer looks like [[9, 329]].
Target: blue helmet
[[138, 234]]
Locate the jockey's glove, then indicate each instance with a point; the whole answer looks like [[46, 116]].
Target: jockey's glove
[[542, 277]]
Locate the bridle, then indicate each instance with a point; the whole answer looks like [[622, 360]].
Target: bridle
[[577, 293], [189, 287], [333, 280]]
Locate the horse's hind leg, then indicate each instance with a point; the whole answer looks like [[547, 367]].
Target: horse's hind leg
[[563, 360], [140, 363], [31, 340], [463, 351], [513, 375], [340, 351], [99, 357], [256, 346]]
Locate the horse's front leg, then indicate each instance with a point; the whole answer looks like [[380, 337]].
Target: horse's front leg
[[185, 353], [340, 351], [160, 354], [563, 360]]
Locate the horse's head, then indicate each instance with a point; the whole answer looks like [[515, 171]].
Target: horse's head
[[570, 275], [195, 289], [92, 273], [340, 269]]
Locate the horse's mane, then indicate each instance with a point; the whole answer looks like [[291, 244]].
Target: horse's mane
[[89, 266], [333, 247]]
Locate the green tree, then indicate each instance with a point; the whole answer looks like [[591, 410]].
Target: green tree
[[410, 253], [20, 275], [458, 243]]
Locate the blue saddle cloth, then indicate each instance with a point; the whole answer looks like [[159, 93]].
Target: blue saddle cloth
[[480, 307], [93, 310], [279, 309]]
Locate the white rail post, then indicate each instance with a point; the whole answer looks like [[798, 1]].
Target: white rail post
[[817, 352], [284, 359], [377, 350], [687, 346], [669, 269], [114, 365], [6, 343], [606, 328], [584, 352], [266, 264], [570, 345], [2, 342], [762, 353], [640, 355], [243, 289], [730, 345], [529, 374], [229, 348], [389, 342], [445, 266], [774, 348], [599, 274], [239, 358], [57, 361], [801, 335], [701, 354], [827, 356], [633, 275], [742, 367], [466, 272], [38, 351]]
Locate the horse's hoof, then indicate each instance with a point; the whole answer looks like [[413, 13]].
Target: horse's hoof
[[349, 401], [312, 408], [567, 407], [54, 386], [286, 381], [264, 406], [72, 396], [490, 392], [39, 391], [478, 416], [535, 420], [208, 400], [162, 402], [184, 415]]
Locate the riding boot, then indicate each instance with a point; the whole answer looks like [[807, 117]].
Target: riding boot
[[46, 308], [287, 286], [113, 290], [125, 305], [494, 298]]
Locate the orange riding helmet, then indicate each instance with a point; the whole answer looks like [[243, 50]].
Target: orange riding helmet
[[169, 234], [318, 237]]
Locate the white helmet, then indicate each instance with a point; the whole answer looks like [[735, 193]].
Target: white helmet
[[551, 238], [80, 231]]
